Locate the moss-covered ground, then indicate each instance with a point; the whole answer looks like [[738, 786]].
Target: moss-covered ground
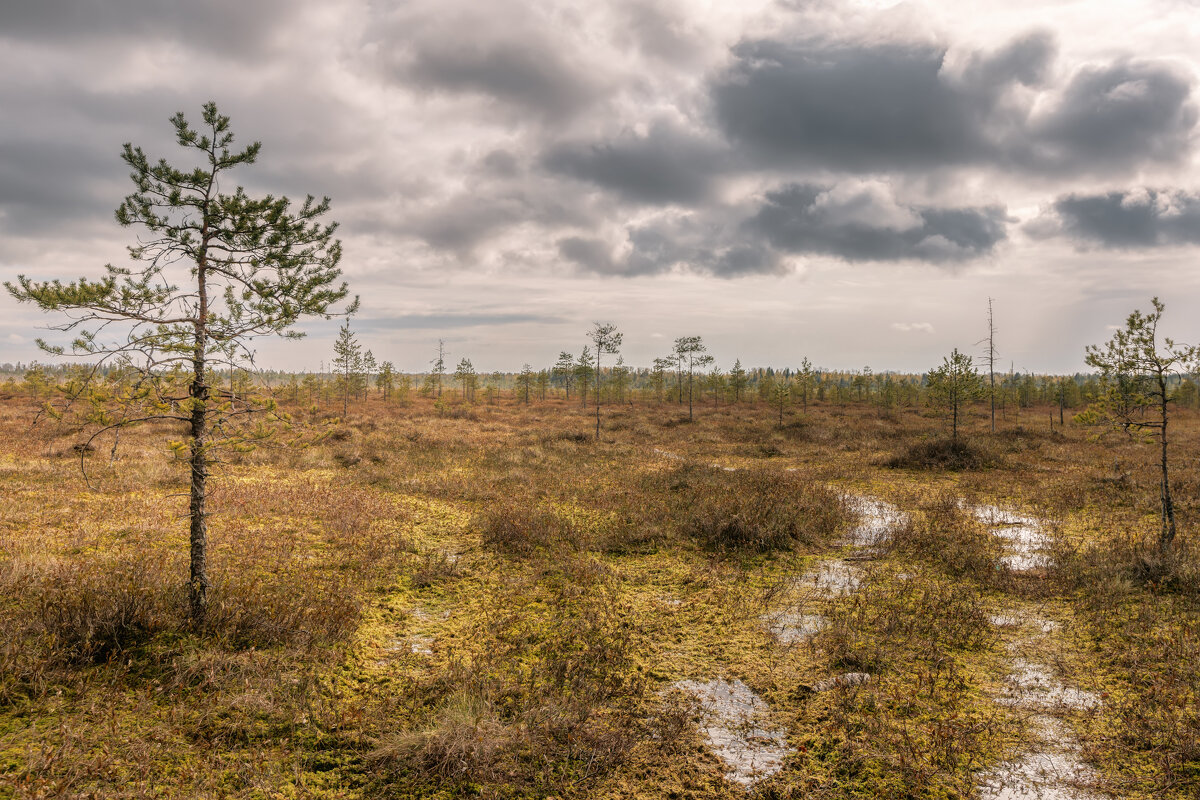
[[484, 601]]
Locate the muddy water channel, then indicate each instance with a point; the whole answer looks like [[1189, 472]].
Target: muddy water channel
[[735, 721], [1052, 767], [737, 726]]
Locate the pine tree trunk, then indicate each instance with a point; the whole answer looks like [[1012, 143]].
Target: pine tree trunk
[[198, 585], [1168, 507], [954, 417], [598, 374], [690, 396], [198, 461]]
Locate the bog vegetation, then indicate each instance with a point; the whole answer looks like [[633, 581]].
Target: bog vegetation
[[449, 597]]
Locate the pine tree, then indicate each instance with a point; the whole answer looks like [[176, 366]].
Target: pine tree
[[619, 380], [464, 373], [1136, 372], [805, 381], [525, 381], [385, 382], [658, 375], [439, 368], [564, 370], [690, 350], [607, 339], [953, 385], [213, 271], [781, 392], [347, 363], [583, 374], [737, 380], [369, 367]]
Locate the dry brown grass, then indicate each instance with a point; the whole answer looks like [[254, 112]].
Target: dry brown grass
[[944, 534], [563, 583]]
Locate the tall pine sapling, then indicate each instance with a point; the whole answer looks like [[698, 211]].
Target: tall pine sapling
[[211, 272], [953, 385], [347, 363], [1135, 371], [607, 339]]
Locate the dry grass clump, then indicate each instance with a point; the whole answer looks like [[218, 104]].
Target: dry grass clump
[[1145, 638], [291, 564], [921, 618], [1112, 566], [292, 608], [943, 533], [122, 607], [943, 454], [754, 511], [74, 613], [464, 740], [433, 568]]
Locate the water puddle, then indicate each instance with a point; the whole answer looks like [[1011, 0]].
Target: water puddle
[[1052, 768], [833, 578], [410, 645], [425, 615], [789, 627], [1032, 685], [1052, 772], [1017, 620], [735, 724], [877, 520], [1024, 536]]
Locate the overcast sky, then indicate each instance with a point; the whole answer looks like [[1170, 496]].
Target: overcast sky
[[848, 181]]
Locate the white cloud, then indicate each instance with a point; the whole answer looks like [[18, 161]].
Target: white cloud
[[869, 203], [913, 327]]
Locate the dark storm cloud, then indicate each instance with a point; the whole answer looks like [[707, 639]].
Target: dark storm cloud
[[668, 165], [231, 27], [1126, 219], [468, 220], [32, 203], [1125, 113], [807, 219], [530, 74], [65, 171], [592, 255], [69, 172], [864, 107], [885, 107], [697, 245]]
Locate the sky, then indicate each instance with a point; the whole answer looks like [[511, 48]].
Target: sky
[[844, 180]]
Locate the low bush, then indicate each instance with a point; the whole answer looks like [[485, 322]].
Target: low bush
[[520, 529], [920, 618], [943, 454], [757, 511]]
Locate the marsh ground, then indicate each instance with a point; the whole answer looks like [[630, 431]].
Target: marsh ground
[[484, 601]]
